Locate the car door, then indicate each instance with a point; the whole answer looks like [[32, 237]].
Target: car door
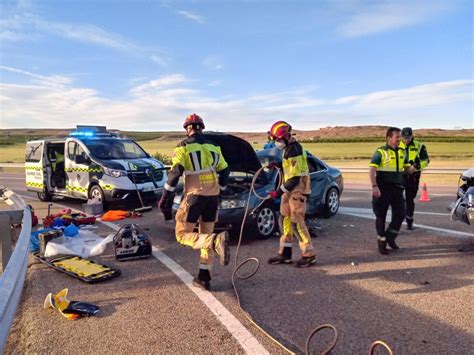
[[317, 174]]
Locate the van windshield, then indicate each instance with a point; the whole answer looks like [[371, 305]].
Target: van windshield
[[113, 148]]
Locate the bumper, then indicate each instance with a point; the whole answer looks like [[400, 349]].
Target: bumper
[[121, 195]]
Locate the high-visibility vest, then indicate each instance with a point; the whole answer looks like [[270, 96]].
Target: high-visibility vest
[[295, 163], [415, 154], [201, 160]]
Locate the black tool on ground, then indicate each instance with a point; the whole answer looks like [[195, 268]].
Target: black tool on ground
[[143, 208], [46, 237], [130, 242], [83, 269]]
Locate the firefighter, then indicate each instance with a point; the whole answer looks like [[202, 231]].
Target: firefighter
[[205, 175], [418, 158], [386, 169], [294, 192]]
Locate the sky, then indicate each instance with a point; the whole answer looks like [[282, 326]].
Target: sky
[[242, 65]]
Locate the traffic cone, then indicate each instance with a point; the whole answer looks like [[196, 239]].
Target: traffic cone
[[424, 194]]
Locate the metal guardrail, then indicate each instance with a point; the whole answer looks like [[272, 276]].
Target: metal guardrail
[[426, 171], [457, 171], [13, 277]]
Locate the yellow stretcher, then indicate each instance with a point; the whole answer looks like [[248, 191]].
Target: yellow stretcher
[[83, 269]]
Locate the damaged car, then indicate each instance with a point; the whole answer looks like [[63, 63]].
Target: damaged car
[[262, 217]]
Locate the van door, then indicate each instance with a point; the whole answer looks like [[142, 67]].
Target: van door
[[77, 170], [34, 166]]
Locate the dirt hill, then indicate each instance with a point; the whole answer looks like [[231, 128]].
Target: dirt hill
[[326, 132]]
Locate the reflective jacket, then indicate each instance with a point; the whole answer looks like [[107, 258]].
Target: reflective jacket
[[417, 154], [295, 170], [203, 165], [390, 164]]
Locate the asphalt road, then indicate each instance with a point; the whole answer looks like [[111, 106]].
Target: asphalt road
[[417, 299]]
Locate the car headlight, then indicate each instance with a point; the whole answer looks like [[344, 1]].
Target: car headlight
[[113, 172], [227, 204]]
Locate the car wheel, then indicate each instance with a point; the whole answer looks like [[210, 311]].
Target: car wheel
[[266, 222], [96, 194], [332, 202], [44, 196]]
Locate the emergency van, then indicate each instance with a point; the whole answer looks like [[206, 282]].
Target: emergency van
[[92, 163]]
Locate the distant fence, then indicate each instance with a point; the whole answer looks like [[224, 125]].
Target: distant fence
[[13, 276]]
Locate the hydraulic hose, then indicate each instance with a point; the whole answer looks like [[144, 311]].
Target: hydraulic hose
[[238, 265]]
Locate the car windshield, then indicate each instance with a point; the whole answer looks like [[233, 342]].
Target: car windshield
[[113, 148]]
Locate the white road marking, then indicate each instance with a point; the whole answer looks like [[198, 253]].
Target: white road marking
[[248, 342], [368, 214], [370, 191]]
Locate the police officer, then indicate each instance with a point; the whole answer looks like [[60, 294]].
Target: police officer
[[294, 192], [386, 176], [419, 159], [205, 175]]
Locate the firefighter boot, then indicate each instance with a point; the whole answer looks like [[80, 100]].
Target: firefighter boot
[[409, 223], [221, 247], [284, 258], [382, 244], [203, 280], [306, 261]]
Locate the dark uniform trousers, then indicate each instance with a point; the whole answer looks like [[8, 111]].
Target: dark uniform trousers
[[412, 182], [391, 196]]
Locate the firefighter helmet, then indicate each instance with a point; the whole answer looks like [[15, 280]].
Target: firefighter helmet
[[280, 130], [193, 119]]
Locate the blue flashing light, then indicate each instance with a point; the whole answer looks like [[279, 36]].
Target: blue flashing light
[[82, 134]]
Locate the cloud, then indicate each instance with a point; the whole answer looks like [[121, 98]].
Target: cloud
[[161, 104], [22, 27], [192, 16], [158, 84], [54, 80], [370, 18], [414, 97], [213, 62]]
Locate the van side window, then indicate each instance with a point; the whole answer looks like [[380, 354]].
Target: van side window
[[80, 151], [71, 146], [33, 152]]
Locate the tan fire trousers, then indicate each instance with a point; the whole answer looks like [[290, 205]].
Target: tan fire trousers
[[203, 210], [292, 214]]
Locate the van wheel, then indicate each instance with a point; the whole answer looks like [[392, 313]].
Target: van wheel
[[44, 196], [97, 194]]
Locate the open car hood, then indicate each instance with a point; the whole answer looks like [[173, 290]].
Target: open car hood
[[238, 153]]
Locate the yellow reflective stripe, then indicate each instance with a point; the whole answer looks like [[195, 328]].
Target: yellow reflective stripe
[[36, 168], [208, 177], [278, 126], [287, 226], [34, 184], [83, 170], [76, 188], [106, 186], [374, 165], [305, 238]]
